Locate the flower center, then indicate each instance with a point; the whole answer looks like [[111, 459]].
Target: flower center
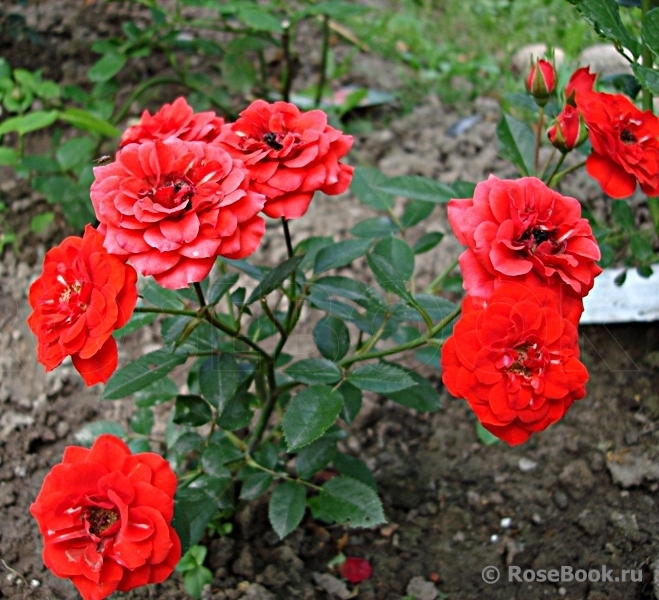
[[627, 136], [175, 191], [100, 519], [536, 238], [271, 139]]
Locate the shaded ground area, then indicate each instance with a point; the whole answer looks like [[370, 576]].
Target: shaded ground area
[[582, 494]]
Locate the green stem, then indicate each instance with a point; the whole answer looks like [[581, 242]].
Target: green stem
[[287, 235], [555, 169], [140, 89], [166, 311], [200, 294], [287, 77], [264, 417], [274, 320], [547, 163], [252, 463], [403, 347], [538, 134], [323, 62], [440, 278], [646, 53], [556, 178]]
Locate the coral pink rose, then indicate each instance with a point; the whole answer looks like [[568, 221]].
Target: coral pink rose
[[515, 360], [172, 207], [105, 515], [174, 120], [290, 155], [513, 227], [82, 295], [625, 143]]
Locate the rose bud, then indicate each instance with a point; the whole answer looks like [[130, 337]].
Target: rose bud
[[568, 131], [541, 81]]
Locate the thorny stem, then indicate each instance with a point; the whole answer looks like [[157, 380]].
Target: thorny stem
[[403, 347], [323, 62]]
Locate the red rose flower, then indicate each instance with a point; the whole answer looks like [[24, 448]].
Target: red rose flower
[[174, 120], [80, 298], [355, 570], [569, 131], [513, 227], [172, 207], [625, 143], [105, 515], [289, 154], [582, 80], [541, 81], [515, 360]]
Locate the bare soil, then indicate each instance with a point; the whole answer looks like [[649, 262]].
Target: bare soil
[[583, 494]]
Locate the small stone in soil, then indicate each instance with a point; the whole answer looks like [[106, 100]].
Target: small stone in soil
[[421, 589], [560, 500], [526, 465]]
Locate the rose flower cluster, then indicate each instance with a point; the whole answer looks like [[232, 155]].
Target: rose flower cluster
[[183, 189], [530, 260]]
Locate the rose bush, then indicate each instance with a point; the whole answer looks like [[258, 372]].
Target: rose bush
[[105, 516], [82, 295]]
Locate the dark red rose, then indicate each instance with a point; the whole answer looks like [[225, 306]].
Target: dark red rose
[[170, 208], [290, 155], [355, 570], [105, 515], [515, 360], [625, 143], [514, 227], [82, 295], [174, 120]]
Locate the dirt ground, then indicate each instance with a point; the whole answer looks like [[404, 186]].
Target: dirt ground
[[582, 495]]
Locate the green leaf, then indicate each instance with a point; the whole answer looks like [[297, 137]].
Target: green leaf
[[274, 278], [238, 70], [386, 275], [398, 254], [74, 152], [38, 119], [355, 468], [142, 421], [604, 17], [255, 485], [364, 185], [309, 247], [427, 242], [219, 378], [486, 438], [213, 459], [335, 9], [39, 223], [192, 410], [87, 434], [352, 401], [82, 119], [309, 414], [423, 396], [338, 285], [259, 19], [340, 254], [517, 143], [158, 392], [415, 212], [648, 78], [286, 507], [640, 247], [351, 502], [644, 271], [195, 579], [8, 157], [314, 457], [159, 297], [382, 378], [651, 30], [314, 370], [140, 373], [221, 286], [106, 67], [417, 187], [622, 215], [137, 321], [192, 510], [237, 413], [374, 227], [331, 337]]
